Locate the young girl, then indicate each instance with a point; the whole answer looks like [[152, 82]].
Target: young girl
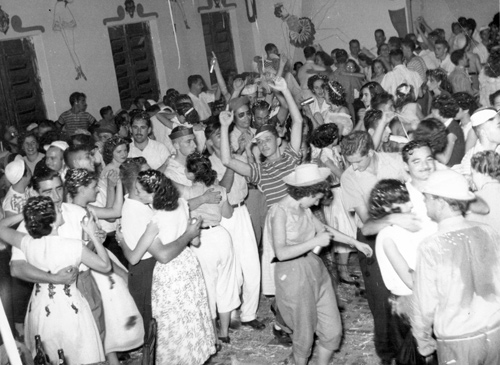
[[58, 313]]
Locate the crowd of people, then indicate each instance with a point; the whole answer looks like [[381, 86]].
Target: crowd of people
[[185, 210]]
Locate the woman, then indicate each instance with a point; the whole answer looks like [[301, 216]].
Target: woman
[[438, 84], [408, 111], [294, 233], [396, 251], [121, 334], [215, 252], [29, 147], [365, 63], [379, 70], [316, 85], [324, 60], [179, 295], [383, 56], [368, 92], [433, 131], [468, 106], [58, 313]]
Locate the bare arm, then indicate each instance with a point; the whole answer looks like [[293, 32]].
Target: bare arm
[[405, 220], [398, 262], [227, 210], [220, 80], [240, 167], [25, 271], [9, 235], [227, 180], [116, 210], [444, 157], [98, 261]]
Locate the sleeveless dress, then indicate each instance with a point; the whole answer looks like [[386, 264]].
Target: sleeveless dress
[[59, 313], [179, 298]]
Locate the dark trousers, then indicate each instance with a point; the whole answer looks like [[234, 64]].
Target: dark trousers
[[378, 301], [140, 280], [6, 287], [111, 244]]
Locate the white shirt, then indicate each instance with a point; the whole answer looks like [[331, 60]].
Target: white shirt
[[481, 50], [155, 153], [430, 59], [447, 65], [399, 75], [177, 173], [200, 103], [161, 132], [239, 189], [14, 202], [135, 218]]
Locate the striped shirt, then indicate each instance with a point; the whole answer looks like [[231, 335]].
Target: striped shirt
[[418, 65], [72, 121], [268, 175]]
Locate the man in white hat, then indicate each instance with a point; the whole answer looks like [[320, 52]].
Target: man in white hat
[[486, 125], [19, 176], [54, 157], [456, 287]]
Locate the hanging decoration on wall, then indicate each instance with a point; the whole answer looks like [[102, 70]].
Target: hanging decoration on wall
[[17, 25], [301, 31], [130, 7], [180, 5], [121, 15], [142, 14], [4, 21], [175, 32], [65, 24], [217, 3], [398, 20], [251, 6]]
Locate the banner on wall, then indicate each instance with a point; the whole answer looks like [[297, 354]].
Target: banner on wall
[[398, 20]]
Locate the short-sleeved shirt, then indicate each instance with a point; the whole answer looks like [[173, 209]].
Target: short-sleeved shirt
[[418, 65], [135, 218], [155, 153], [356, 186], [177, 173], [459, 147], [269, 175], [239, 189], [72, 121], [447, 65], [210, 213], [14, 202], [200, 103]]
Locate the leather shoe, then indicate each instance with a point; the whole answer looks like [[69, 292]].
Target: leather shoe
[[255, 324], [225, 339], [282, 337]]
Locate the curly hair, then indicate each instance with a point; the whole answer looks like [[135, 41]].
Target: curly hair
[[140, 115], [42, 173], [324, 135], [299, 192], [384, 195], [165, 194], [129, 170], [76, 178], [170, 97], [405, 94], [260, 105], [487, 163], [408, 148], [434, 132], [311, 80], [188, 111], [109, 147], [492, 68], [201, 167], [336, 93], [447, 106], [440, 75], [39, 213], [371, 118], [466, 101], [356, 142], [374, 88], [327, 60]]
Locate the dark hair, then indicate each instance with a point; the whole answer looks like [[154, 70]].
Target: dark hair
[[309, 51], [373, 87], [492, 67], [403, 98], [39, 213], [311, 80], [269, 47], [440, 75], [396, 55], [324, 135], [352, 41], [42, 173], [213, 125], [356, 142], [105, 110], [493, 96], [177, 129], [341, 56], [379, 31], [260, 105], [297, 64], [76, 178], [23, 138], [82, 140], [378, 61], [142, 115], [408, 148], [75, 97], [379, 49], [443, 42], [470, 24], [447, 106], [109, 147], [365, 58], [188, 111], [371, 119], [192, 79], [336, 93], [327, 60], [129, 170], [407, 42], [299, 192], [384, 195], [356, 66], [395, 42], [487, 163], [120, 119], [166, 196], [466, 101], [170, 97], [457, 55], [201, 167], [434, 132], [381, 99]]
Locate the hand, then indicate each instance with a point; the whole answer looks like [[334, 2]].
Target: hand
[[407, 221], [193, 229], [361, 113], [364, 248], [428, 349], [212, 197], [226, 118], [239, 84], [323, 239], [120, 239], [66, 275], [113, 178], [307, 111], [88, 225], [196, 242], [199, 127], [100, 234], [244, 140], [279, 84]]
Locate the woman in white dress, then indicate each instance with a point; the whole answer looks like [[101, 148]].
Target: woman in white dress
[[58, 313], [179, 296]]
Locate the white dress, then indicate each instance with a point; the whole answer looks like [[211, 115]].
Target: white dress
[[59, 313]]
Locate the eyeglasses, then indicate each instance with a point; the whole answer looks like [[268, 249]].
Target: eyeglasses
[[242, 114]]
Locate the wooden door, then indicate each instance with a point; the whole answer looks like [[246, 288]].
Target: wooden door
[[218, 38]]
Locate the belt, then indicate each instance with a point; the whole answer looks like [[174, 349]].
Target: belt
[[209, 227], [472, 73], [238, 205]]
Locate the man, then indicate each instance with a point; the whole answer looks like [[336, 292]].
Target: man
[[155, 153], [456, 287], [76, 117], [351, 84], [380, 38], [54, 157], [200, 98], [240, 228], [79, 156], [367, 167], [481, 48], [307, 70], [18, 175], [441, 50], [184, 143], [459, 78], [354, 49], [107, 116], [413, 62], [400, 74]]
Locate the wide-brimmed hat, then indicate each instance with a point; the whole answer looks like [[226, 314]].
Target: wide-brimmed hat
[[306, 175], [448, 184], [483, 115]]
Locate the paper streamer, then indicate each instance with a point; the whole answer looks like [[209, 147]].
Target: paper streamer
[[175, 33]]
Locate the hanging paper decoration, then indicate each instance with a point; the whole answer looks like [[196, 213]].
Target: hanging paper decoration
[[130, 7], [175, 33], [253, 16], [4, 21], [301, 30], [183, 12]]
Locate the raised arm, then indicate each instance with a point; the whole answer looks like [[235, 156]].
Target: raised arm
[[242, 168], [220, 81], [116, 210], [9, 235]]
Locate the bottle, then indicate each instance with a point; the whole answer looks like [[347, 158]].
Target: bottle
[[62, 360], [85, 236], [41, 357]]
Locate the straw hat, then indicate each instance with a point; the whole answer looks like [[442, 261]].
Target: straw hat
[[448, 184], [307, 175]]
